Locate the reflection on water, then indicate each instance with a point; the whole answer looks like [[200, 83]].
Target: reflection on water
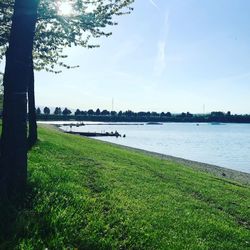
[[226, 145]]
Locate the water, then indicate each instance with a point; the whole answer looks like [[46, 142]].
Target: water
[[226, 145]]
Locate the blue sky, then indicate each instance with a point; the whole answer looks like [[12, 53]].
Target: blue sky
[[168, 55]]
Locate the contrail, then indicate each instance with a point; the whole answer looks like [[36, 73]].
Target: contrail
[[161, 63], [154, 4]]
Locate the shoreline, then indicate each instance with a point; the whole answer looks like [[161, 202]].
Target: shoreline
[[221, 172]]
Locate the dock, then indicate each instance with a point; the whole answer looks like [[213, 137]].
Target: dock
[[71, 124], [94, 134], [98, 124]]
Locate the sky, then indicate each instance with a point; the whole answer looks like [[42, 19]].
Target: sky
[[167, 55]]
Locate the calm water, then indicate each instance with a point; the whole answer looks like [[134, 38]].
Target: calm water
[[226, 145]]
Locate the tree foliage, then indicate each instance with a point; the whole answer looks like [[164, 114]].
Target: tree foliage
[[55, 31], [57, 111], [38, 111], [66, 111], [46, 111]]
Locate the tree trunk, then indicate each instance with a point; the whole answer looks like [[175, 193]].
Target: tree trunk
[[16, 79], [32, 109]]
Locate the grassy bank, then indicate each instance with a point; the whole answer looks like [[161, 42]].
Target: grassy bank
[[91, 195]]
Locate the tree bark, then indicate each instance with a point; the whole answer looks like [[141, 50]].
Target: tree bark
[[16, 79], [32, 109]]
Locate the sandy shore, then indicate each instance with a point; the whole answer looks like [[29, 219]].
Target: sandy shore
[[226, 173]]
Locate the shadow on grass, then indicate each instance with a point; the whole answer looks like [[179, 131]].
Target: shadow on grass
[[14, 214], [24, 226]]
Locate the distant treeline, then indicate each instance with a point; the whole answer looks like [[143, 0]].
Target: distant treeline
[[130, 116]]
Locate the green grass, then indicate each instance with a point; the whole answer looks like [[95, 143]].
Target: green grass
[[87, 194]]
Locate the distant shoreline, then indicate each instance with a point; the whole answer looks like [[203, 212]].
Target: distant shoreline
[[173, 118]]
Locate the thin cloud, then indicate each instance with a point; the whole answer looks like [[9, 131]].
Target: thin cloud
[[160, 62], [154, 4]]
